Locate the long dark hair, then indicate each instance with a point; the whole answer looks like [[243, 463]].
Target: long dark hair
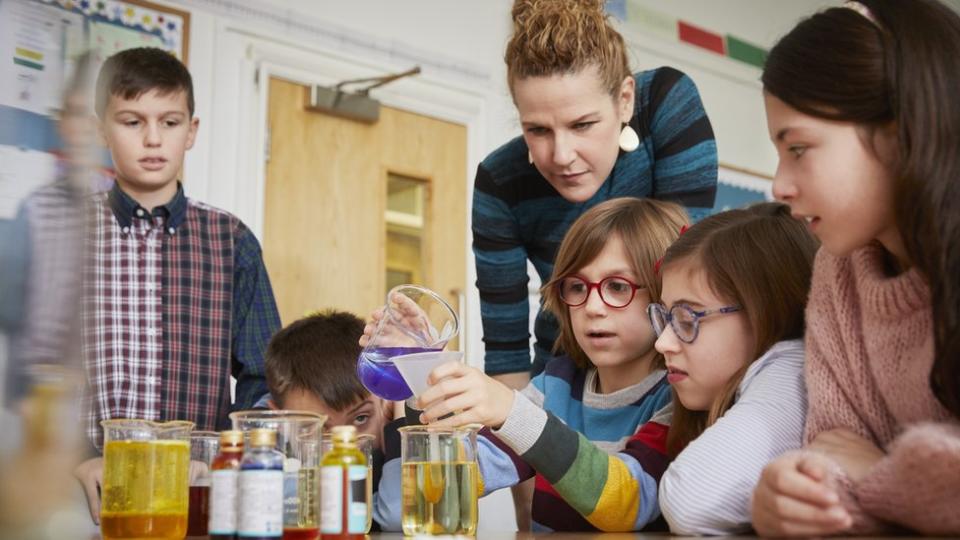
[[761, 259], [900, 66]]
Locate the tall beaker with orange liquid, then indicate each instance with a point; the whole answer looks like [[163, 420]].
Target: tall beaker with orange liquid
[[146, 484]]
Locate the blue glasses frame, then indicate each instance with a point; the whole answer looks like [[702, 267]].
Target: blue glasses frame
[[660, 317]]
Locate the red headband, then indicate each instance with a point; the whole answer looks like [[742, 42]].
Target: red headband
[[656, 266]]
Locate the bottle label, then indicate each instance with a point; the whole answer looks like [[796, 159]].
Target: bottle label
[[357, 499], [223, 502], [261, 503], [291, 497], [331, 499]]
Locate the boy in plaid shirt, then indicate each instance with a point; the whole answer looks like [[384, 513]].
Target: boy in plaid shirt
[[176, 296]]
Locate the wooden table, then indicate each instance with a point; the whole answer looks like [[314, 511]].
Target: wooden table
[[492, 535], [484, 535]]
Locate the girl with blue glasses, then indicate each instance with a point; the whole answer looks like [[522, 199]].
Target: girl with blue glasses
[[730, 327]]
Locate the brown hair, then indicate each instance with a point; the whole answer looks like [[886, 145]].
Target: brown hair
[[553, 37], [318, 354], [133, 72], [645, 226], [761, 259], [903, 69]]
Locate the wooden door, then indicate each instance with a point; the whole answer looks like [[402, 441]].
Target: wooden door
[[351, 207]]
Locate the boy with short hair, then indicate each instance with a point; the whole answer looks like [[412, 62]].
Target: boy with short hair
[[312, 366], [176, 296]]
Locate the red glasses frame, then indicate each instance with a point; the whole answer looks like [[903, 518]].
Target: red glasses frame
[[598, 286]]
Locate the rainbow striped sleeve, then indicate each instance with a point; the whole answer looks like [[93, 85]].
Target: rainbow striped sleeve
[[614, 492]]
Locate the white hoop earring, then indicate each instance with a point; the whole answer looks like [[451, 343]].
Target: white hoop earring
[[629, 141], [530, 157]]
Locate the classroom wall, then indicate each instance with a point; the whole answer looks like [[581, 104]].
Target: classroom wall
[[731, 90]]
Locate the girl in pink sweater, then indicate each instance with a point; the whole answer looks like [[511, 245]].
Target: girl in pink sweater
[[861, 105]]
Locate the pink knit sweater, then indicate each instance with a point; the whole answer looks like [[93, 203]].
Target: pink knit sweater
[[869, 354]]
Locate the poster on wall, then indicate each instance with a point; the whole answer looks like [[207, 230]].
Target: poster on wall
[[32, 40], [115, 25], [120, 25], [40, 41]]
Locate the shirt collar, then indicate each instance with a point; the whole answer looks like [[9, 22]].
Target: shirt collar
[[125, 209]]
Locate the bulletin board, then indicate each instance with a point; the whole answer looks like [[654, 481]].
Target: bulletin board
[[40, 41], [737, 188]]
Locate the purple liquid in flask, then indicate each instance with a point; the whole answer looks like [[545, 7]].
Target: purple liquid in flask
[[378, 373]]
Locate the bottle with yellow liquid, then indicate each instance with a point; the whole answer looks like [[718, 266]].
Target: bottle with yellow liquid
[[343, 481], [365, 443], [146, 485], [440, 483]]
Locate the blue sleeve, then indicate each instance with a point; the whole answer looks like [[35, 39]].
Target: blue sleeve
[[387, 500], [501, 260], [500, 466], [387, 497], [685, 151], [255, 320]]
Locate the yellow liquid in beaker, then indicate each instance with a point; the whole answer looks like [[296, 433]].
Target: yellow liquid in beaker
[[440, 497], [145, 489], [369, 496], [308, 487]]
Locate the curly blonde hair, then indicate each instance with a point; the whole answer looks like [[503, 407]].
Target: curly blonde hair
[[552, 37]]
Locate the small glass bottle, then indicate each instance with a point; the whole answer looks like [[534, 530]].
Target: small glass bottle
[[260, 511], [343, 481], [223, 486]]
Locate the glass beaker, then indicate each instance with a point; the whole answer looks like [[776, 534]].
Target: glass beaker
[[415, 319], [298, 438], [204, 447], [146, 468], [365, 443], [441, 480]]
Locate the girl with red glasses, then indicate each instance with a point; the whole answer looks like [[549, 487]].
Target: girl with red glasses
[[591, 427]]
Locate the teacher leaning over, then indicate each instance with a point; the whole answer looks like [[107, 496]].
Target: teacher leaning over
[[592, 131]]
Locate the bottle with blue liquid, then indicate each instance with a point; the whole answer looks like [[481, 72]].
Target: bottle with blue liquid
[[260, 509]]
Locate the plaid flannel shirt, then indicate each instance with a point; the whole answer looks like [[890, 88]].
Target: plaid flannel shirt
[[175, 301]]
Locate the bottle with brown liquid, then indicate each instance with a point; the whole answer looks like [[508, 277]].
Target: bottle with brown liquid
[[223, 486], [343, 481]]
